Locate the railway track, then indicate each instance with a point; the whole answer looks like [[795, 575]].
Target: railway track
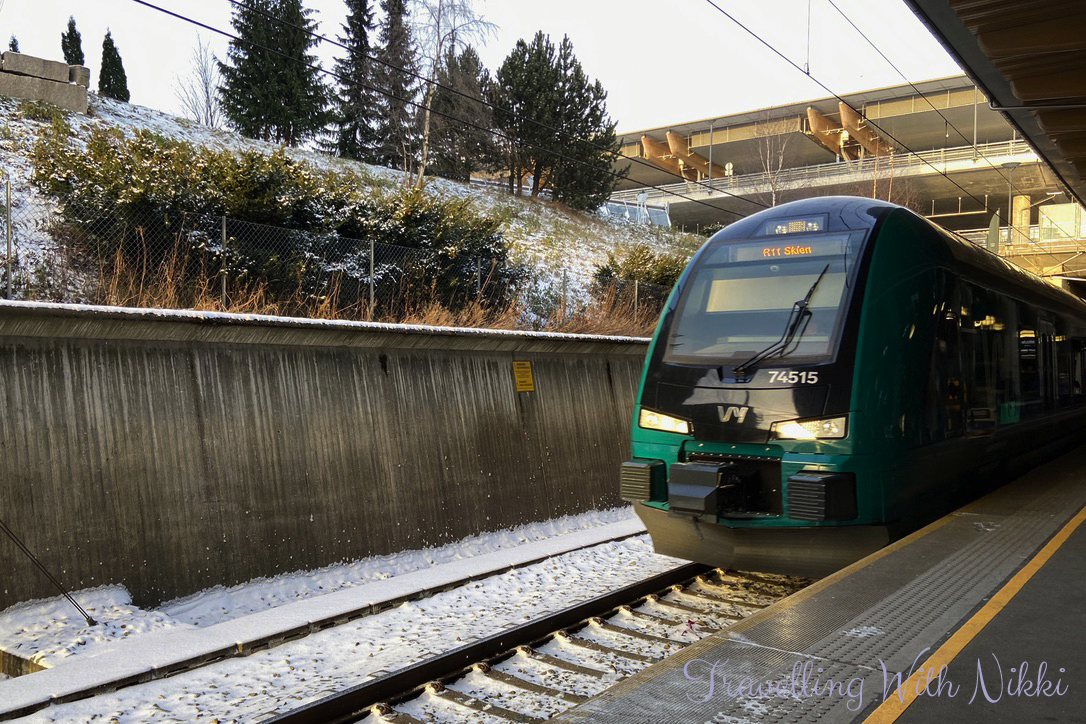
[[543, 667], [245, 644]]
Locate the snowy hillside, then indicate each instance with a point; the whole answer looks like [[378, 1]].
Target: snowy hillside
[[556, 244]]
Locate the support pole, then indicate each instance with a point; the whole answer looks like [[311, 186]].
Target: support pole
[[369, 315], [224, 263], [7, 226], [565, 294]]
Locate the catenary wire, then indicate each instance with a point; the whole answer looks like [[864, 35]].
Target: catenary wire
[[488, 104], [928, 101], [826, 88], [388, 94]]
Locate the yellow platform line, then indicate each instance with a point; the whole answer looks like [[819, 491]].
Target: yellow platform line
[[896, 704]]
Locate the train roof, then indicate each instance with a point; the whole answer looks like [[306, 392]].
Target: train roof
[[854, 213]]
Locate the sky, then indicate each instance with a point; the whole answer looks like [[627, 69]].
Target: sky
[[661, 61]]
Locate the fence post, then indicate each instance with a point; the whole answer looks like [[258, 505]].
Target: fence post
[[7, 226], [635, 300], [565, 294], [369, 314], [224, 262]]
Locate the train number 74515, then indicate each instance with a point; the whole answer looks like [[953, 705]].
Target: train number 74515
[[791, 377]]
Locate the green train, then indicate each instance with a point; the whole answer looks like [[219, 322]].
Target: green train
[[831, 374]]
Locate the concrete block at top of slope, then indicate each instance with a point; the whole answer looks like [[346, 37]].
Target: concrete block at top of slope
[[79, 74], [68, 96], [28, 65]]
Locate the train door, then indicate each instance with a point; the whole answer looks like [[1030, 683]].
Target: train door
[[944, 402], [1030, 363], [1064, 348], [1048, 362], [1077, 360], [979, 347]]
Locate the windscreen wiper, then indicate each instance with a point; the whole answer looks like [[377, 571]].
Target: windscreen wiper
[[797, 320]]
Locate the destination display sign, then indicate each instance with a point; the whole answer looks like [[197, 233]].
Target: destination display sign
[[773, 249]]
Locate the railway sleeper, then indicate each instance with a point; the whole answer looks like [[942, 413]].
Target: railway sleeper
[[709, 596], [633, 633], [642, 616], [519, 683], [701, 626], [475, 704], [600, 648], [561, 663], [658, 601], [386, 713]]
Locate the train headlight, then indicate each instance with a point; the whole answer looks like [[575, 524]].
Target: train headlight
[[827, 428], [659, 421]]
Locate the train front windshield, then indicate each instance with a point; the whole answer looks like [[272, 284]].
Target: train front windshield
[[742, 299]]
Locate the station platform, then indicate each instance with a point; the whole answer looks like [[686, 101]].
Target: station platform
[[978, 617]]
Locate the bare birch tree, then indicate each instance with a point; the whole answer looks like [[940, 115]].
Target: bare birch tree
[[199, 93], [773, 137], [441, 27]]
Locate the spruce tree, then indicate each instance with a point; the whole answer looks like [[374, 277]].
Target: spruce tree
[[71, 43], [271, 85], [458, 147], [13, 44], [112, 81], [557, 120], [583, 176], [357, 104], [526, 110], [396, 124]]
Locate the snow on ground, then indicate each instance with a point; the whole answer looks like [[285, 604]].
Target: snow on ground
[[49, 631], [254, 687], [224, 604], [560, 247]]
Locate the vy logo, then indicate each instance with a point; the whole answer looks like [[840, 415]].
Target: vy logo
[[738, 413]]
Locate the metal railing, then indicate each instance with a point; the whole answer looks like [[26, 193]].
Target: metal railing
[[941, 159], [1038, 240]]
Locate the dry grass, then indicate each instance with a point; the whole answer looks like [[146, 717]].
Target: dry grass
[[611, 313], [172, 284]]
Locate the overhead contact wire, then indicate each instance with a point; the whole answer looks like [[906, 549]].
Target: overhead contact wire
[[826, 88], [410, 102], [941, 115], [495, 107]]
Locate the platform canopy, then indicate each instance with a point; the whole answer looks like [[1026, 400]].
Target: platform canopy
[[1029, 58]]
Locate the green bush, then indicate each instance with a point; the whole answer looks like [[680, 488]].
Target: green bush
[[291, 227], [42, 111], [640, 263]]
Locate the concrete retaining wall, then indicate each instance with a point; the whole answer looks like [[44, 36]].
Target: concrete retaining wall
[[173, 451]]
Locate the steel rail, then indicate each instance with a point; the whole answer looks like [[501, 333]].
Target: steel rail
[[247, 647], [352, 703]]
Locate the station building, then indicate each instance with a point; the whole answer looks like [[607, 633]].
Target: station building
[[936, 146]]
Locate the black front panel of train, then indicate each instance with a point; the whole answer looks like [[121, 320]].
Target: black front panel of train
[[737, 413]]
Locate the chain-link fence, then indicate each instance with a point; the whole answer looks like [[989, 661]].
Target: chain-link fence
[[145, 258]]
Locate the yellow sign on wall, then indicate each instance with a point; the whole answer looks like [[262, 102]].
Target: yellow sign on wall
[[522, 375]]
